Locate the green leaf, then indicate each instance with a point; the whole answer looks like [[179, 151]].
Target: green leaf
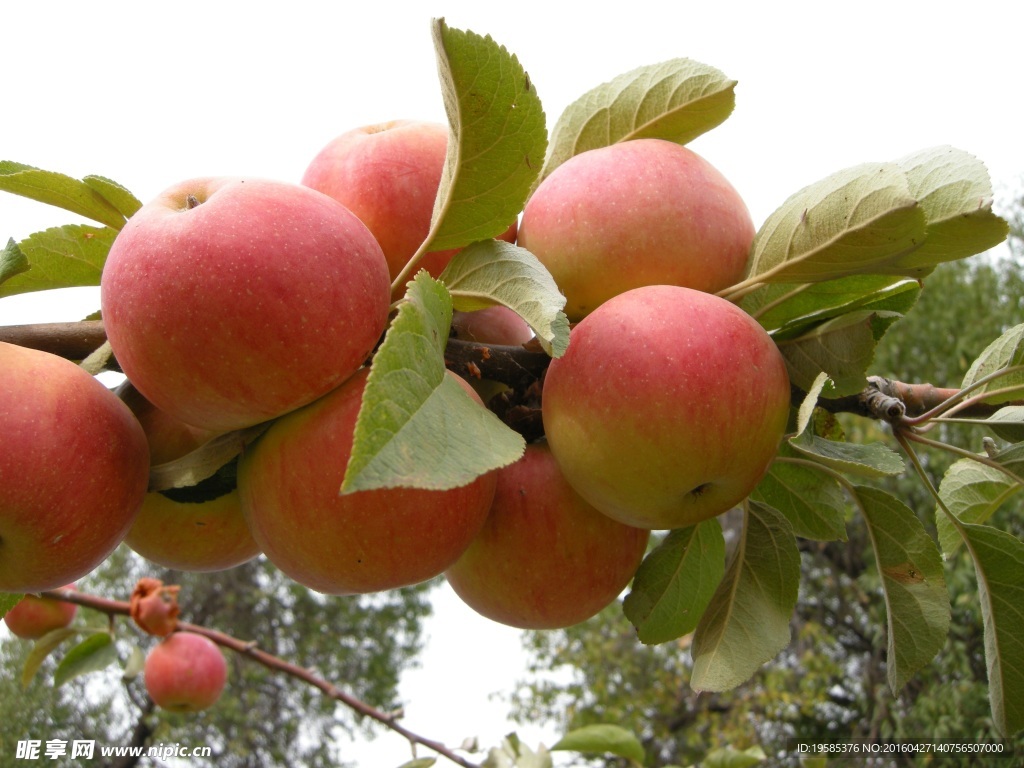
[[118, 196], [807, 408], [423, 762], [1005, 352], [1007, 423], [973, 491], [842, 347], [812, 500], [602, 739], [788, 310], [999, 563], [863, 459], [12, 261], [727, 757], [61, 257], [93, 654], [675, 100], [747, 622], [860, 220], [42, 648], [417, 427], [497, 140], [495, 272], [955, 192], [8, 600], [675, 582], [59, 190], [135, 665], [916, 600]]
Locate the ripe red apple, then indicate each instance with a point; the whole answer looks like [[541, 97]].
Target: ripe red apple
[[200, 528], [354, 543], [491, 325], [231, 301], [668, 406], [185, 672], [73, 470], [545, 557], [641, 212], [388, 175], [34, 616]]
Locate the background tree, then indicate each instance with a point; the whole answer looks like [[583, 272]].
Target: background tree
[[831, 681], [360, 642]]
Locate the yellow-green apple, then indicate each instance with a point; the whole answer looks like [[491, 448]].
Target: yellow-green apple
[[545, 557], [229, 301], [185, 672], [199, 528], [491, 325], [388, 175], [668, 406], [641, 212], [34, 616], [359, 542], [73, 470]]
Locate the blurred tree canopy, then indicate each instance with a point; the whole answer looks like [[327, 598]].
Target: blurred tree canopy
[[264, 718]]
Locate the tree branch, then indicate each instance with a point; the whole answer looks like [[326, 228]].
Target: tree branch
[[249, 649]]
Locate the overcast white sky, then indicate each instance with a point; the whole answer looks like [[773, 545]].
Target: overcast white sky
[[152, 93]]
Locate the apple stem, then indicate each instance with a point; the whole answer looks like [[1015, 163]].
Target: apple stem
[[191, 202]]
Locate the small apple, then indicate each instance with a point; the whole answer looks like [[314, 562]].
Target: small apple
[[668, 406], [200, 528], [34, 616], [74, 467], [229, 302], [185, 672], [640, 212], [545, 558], [492, 325], [360, 542], [388, 175]]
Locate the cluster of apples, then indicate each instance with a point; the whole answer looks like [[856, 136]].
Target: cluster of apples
[[231, 302]]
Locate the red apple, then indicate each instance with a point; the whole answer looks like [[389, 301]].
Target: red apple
[[388, 175], [668, 406], [491, 325], [185, 672], [34, 616], [73, 470], [229, 302], [200, 528], [641, 212], [545, 557], [354, 543]]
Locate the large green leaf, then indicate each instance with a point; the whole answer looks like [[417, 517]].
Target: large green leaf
[[812, 500], [675, 583], [417, 426], [863, 459], [860, 220], [61, 257], [60, 190], [747, 622], [916, 600], [973, 491], [1005, 352], [842, 347], [495, 272], [602, 739], [999, 563], [676, 100], [954, 190], [42, 648], [497, 140]]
